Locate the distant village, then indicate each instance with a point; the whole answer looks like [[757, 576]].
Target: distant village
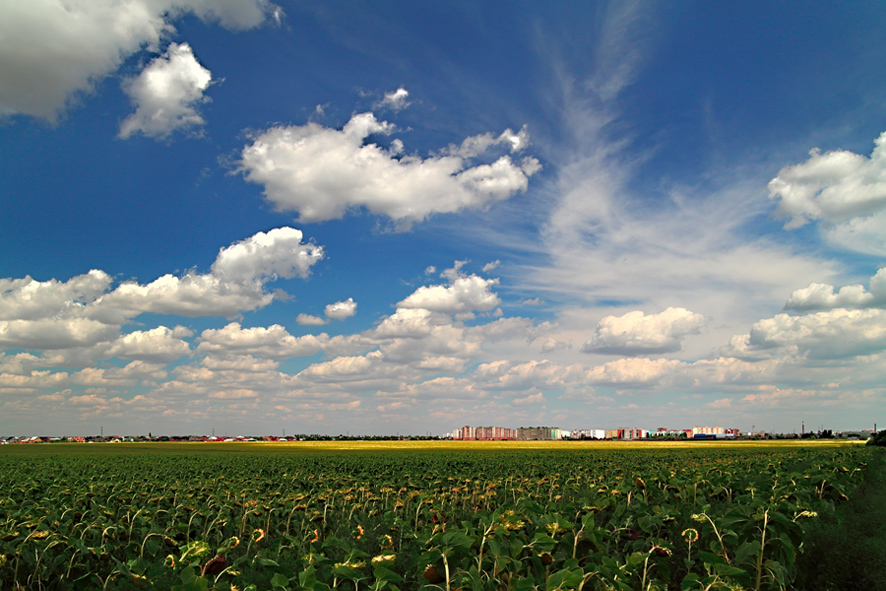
[[468, 433], [633, 433]]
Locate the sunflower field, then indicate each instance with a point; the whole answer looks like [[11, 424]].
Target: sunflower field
[[245, 518]]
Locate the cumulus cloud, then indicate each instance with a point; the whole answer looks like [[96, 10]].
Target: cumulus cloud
[[239, 363], [166, 94], [405, 323], [28, 299], [322, 173], [119, 377], [443, 388], [636, 333], [476, 145], [80, 315], [512, 376], [336, 311], [267, 256], [821, 296], [360, 368], [835, 186], [191, 295], [310, 320], [639, 372], [831, 334], [272, 342], [157, 345], [395, 101], [33, 380], [52, 50], [54, 333], [463, 294], [235, 284], [341, 310], [864, 234]]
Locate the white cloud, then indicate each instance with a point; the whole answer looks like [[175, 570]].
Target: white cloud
[[267, 256], [82, 320], [310, 320], [119, 377], [405, 323], [231, 14], [395, 101], [476, 145], [442, 389], [235, 394], [239, 363], [348, 369], [33, 380], [491, 266], [230, 374], [530, 400], [639, 372], [52, 50], [444, 345], [54, 333], [166, 94], [341, 310], [272, 342], [28, 299], [835, 186], [20, 363], [821, 296], [158, 345], [190, 295], [337, 311], [235, 284], [831, 334], [463, 294], [511, 376], [636, 333], [864, 234], [322, 173]]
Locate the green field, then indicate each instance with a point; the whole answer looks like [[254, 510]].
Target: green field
[[409, 515]]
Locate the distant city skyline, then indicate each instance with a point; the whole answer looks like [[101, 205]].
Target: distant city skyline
[[256, 215]]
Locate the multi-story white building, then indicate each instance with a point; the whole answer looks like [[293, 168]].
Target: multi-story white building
[[587, 434], [708, 431], [485, 433]]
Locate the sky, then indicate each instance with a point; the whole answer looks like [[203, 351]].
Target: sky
[[257, 217]]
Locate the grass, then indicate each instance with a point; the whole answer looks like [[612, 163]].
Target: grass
[[846, 549]]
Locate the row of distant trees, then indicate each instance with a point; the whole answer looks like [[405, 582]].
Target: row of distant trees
[[878, 439]]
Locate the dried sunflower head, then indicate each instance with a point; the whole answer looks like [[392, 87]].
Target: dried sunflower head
[[214, 566]]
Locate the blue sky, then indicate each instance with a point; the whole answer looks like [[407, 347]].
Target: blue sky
[[406, 217]]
